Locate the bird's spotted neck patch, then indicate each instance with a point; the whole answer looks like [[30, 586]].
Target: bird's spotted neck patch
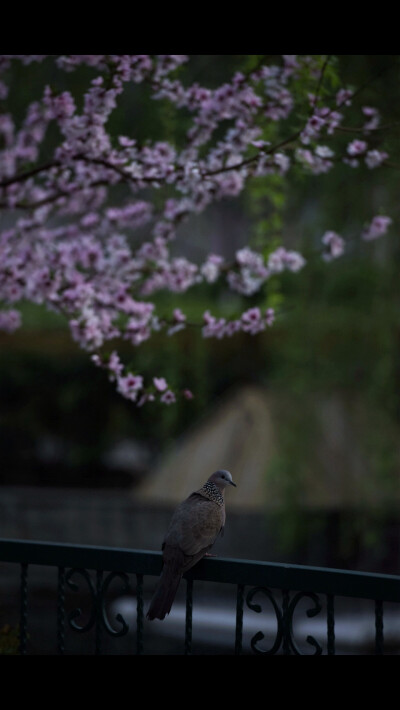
[[212, 492]]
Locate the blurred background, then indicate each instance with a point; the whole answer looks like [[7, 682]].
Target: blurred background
[[305, 415]]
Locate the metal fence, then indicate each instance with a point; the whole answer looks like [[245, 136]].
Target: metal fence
[[280, 588]]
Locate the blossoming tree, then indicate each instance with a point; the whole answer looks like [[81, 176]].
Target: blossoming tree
[[67, 245]]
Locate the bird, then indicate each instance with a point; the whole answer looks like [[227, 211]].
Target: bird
[[193, 529]]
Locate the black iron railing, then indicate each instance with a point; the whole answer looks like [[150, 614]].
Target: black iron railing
[[283, 586]]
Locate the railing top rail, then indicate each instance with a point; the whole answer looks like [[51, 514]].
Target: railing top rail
[[365, 585]]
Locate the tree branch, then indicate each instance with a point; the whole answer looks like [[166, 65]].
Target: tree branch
[[320, 80], [268, 151], [29, 173]]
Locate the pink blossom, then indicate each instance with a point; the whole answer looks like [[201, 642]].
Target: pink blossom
[[356, 147], [374, 158], [252, 321], [213, 327], [10, 320], [179, 317], [252, 272], [376, 228], [317, 162], [282, 259], [114, 364], [323, 151], [211, 268], [269, 316], [344, 96], [129, 386], [294, 261], [147, 397], [97, 360], [179, 322], [333, 120], [248, 257], [260, 144], [283, 162], [232, 327], [281, 101], [168, 397], [352, 162], [335, 245], [373, 117], [305, 155], [291, 63], [90, 220], [187, 394], [160, 383], [313, 128], [134, 214]]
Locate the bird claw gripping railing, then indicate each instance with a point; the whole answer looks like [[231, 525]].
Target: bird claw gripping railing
[[254, 581]]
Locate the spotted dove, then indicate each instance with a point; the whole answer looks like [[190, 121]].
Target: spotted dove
[[194, 527]]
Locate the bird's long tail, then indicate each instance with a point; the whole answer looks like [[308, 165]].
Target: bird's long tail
[[168, 583]]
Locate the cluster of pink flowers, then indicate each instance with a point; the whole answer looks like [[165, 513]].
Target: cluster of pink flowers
[[282, 259], [252, 270], [317, 161], [251, 321], [334, 244], [69, 247], [323, 119], [131, 386], [373, 158]]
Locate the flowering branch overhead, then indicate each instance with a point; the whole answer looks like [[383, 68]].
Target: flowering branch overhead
[[71, 250]]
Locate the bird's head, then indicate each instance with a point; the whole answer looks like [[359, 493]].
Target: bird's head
[[222, 479]]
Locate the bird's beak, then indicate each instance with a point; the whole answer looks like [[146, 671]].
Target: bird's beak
[[232, 483]]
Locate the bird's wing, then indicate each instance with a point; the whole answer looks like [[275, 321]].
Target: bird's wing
[[195, 525]]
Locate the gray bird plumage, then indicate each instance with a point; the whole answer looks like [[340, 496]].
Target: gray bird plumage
[[194, 527]]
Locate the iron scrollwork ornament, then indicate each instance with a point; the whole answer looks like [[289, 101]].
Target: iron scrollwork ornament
[[125, 588], [98, 610], [284, 621], [76, 613], [259, 635], [310, 613]]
